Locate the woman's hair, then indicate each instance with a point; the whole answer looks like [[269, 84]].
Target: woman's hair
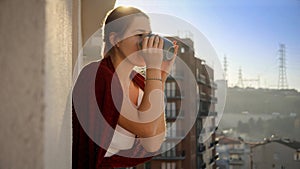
[[118, 20]]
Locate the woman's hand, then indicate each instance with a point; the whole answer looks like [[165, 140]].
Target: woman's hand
[[152, 51], [167, 65]]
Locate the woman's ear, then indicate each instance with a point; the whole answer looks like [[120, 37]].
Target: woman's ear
[[113, 39]]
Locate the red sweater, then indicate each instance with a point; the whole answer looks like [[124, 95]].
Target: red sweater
[[94, 117]]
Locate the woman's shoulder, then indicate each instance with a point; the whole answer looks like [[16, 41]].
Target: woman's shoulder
[[100, 67]]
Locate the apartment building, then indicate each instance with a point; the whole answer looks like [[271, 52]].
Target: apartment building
[[277, 153], [233, 153], [196, 148]]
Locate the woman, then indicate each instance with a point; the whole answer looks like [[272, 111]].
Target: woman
[[118, 115]]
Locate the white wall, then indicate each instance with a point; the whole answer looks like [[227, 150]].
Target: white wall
[[22, 38], [36, 47], [58, 79]]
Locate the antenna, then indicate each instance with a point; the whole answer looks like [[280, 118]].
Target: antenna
[[282, 78]]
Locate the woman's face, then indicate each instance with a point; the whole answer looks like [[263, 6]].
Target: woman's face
[[129, 44]]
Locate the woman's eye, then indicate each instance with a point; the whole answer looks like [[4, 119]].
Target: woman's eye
[[140, 35]]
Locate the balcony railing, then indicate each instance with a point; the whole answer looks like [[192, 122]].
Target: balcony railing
[[174, 96], [212, 84], [206, 113], [177, 76], [175, 135], [236, 162], [216, 142], [203, 96], [212, 161], [216, 156], [203, 166], [172, 114], [236, 151], [201, 149], [213, 113], [201, 79], [212, 99], [212, 129], [171, 155]]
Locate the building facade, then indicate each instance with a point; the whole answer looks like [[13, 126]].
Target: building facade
[[233, 153], [278, 153]]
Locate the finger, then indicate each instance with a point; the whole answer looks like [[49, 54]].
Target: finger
[[156, 41], [145, 42], [176, 49], [161, 43], [150, 42]]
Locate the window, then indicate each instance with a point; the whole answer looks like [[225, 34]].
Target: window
[[147, 165], [182, 50], [297, 155], [169, 148], [170, 88], [171, 129], [171, 109], [168, 165]]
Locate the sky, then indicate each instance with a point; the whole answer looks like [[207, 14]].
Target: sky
[[248, 33]]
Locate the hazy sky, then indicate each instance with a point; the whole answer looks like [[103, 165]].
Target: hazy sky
[[247, 32]]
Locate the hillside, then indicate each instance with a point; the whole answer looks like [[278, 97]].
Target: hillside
[[258, 101]]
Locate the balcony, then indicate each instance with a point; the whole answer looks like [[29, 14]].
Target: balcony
[[213, 114], [176, 76], [174, 96], [206, 113], [212, 145], [236, 161], [171, 115], [201, 149], [201, 79], [216, 142], [212, 84], [171, 155], [212, 129], [236, 151], [203, 109], [175, 136], [203, 97], [212, 161], [216, 157], [203, 166], [212, 99]]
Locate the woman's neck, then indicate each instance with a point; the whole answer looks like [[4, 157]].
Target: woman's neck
[[122, 66]]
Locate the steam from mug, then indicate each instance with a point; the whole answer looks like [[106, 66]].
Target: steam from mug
[[168, 48]]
